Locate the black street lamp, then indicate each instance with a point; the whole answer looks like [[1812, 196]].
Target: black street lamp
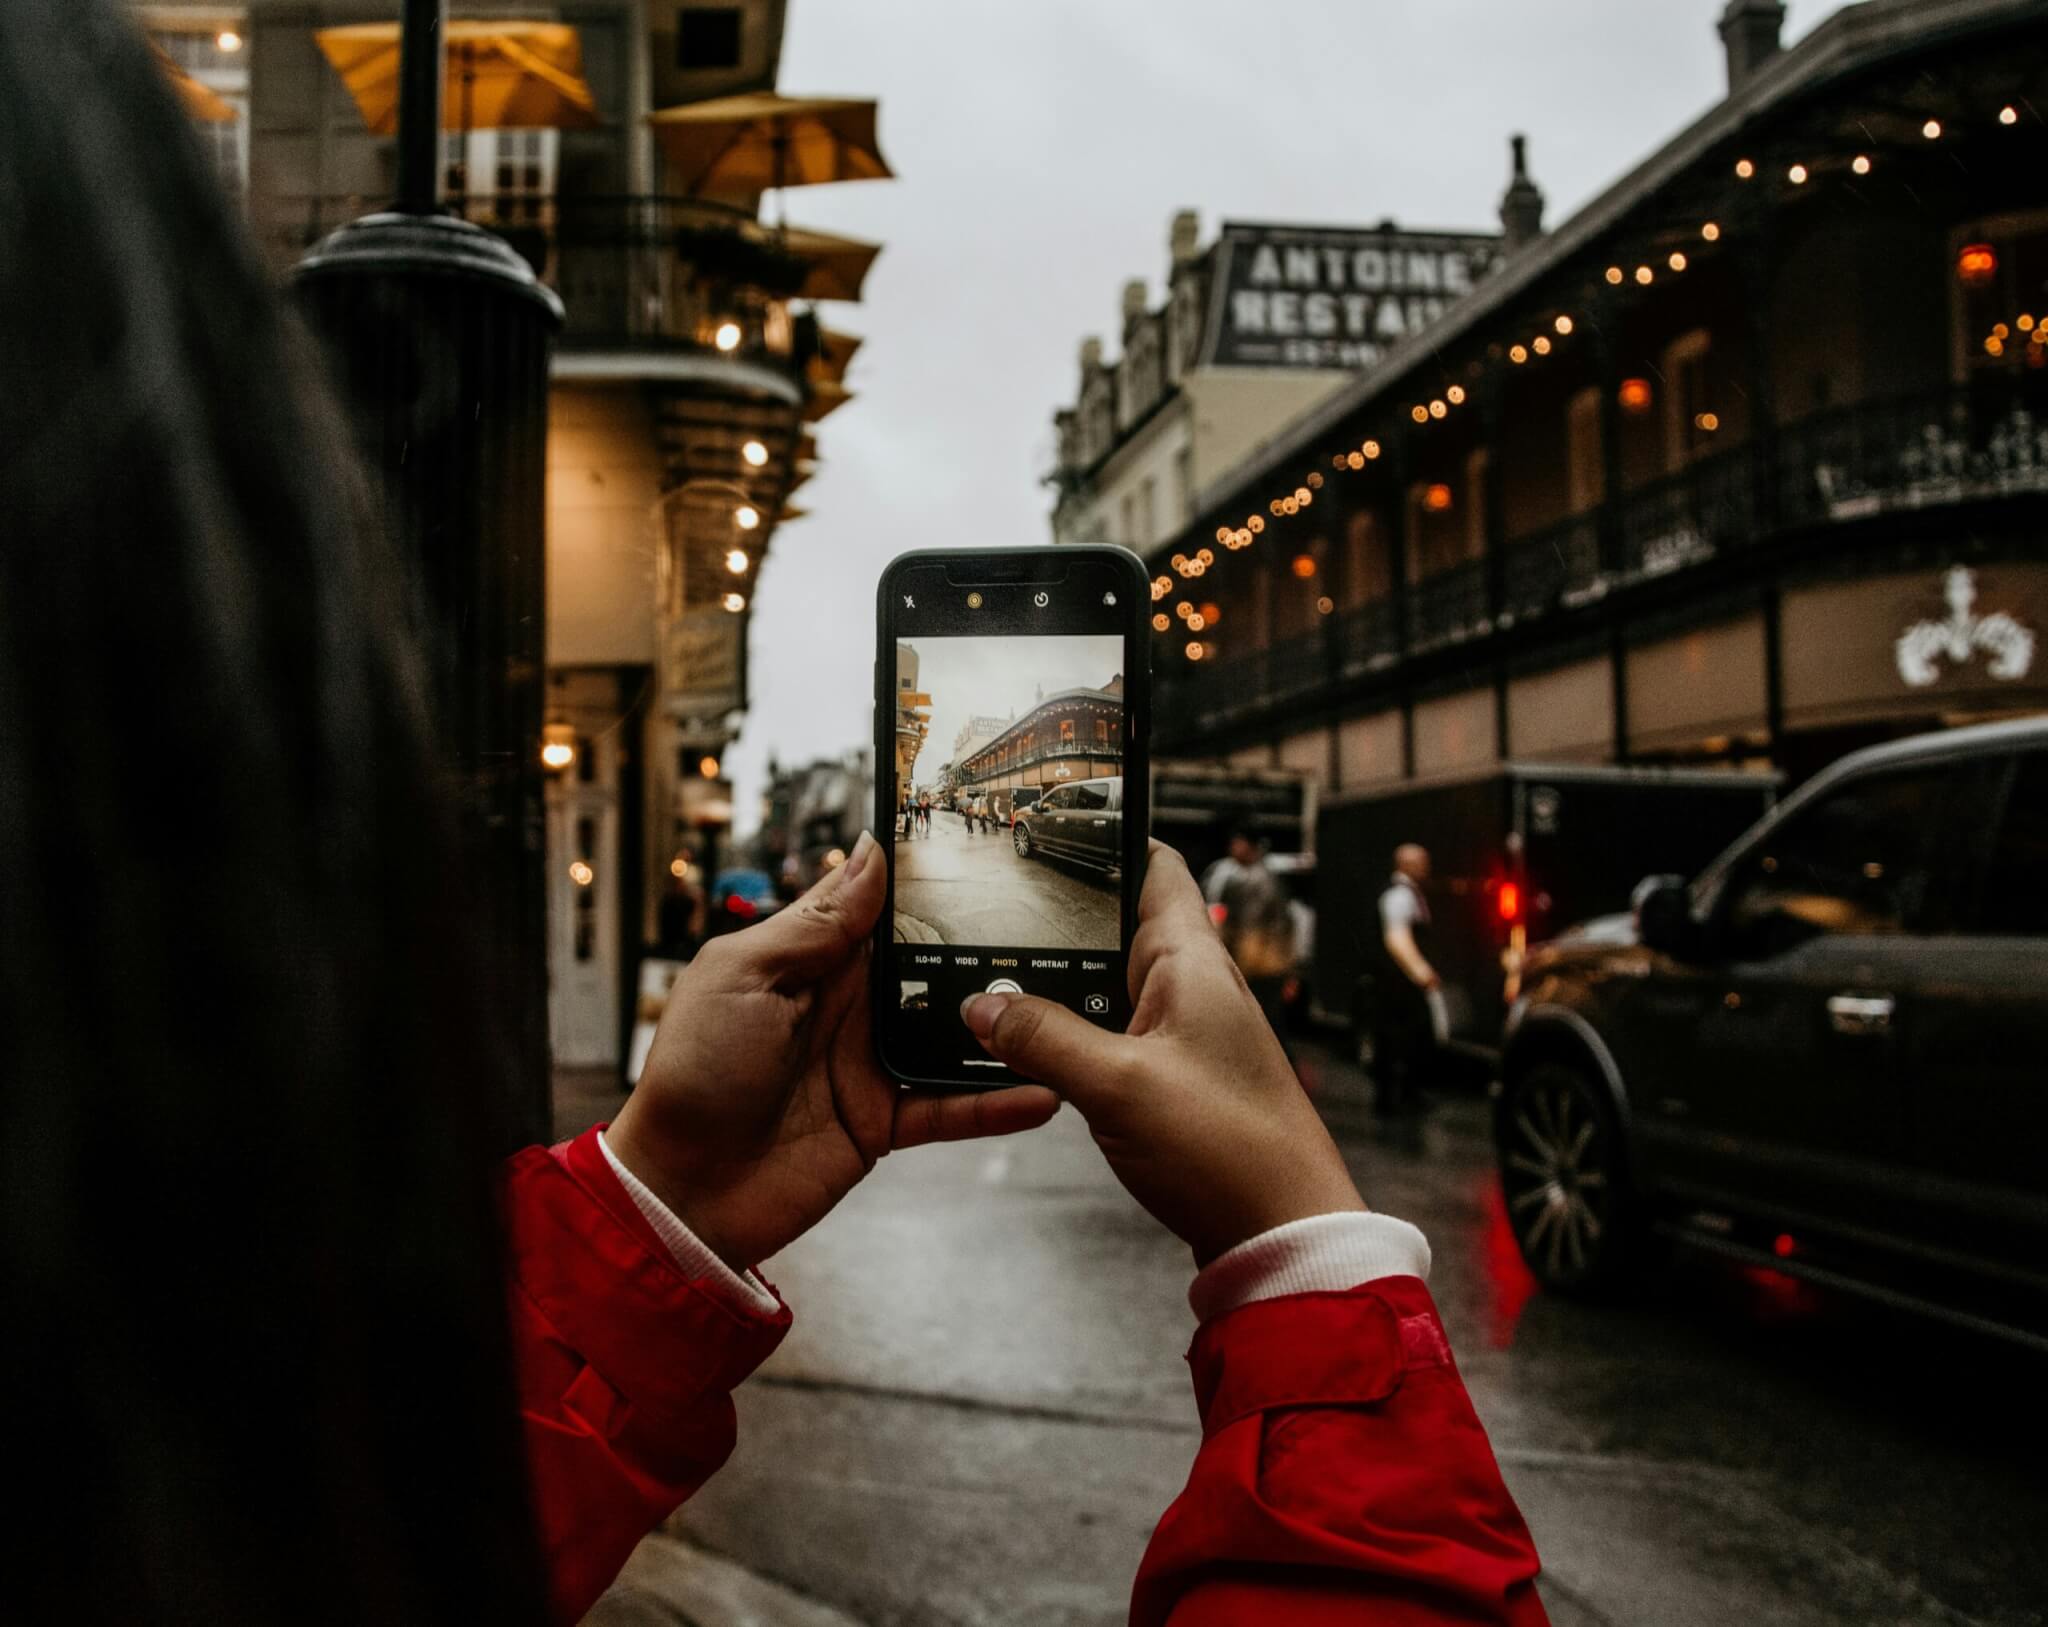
[[440, 335]]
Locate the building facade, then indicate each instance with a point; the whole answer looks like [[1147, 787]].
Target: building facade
[[913, 724], [688, 377], [1256, 328], [1745, 464], [1076, 734]]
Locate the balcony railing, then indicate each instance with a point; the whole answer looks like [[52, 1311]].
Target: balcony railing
[[979, 770], [631, 271], [1973, 443]]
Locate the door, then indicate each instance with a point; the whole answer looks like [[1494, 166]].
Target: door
[[1047, 829], [1780, 1085], [1976, 1034], [583, 905], [1091, 821]]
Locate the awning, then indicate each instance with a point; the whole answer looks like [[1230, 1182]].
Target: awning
[[201, 103]]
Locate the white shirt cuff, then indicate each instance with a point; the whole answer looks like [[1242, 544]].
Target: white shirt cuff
[[747, 1292], [1322, 1254]]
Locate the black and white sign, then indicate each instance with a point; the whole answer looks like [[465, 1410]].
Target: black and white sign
[[1332, 297]]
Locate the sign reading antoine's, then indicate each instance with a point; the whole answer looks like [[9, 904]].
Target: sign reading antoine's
[[1333, 297]]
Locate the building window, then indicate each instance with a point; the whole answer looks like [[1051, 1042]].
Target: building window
[[506, 177], [224, 71], [1585, 477], [708, 37], [1066, 731], [1687, 431], [1366, 576], [1102, 731]]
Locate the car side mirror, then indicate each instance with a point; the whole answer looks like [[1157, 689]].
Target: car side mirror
[[1663, 908]]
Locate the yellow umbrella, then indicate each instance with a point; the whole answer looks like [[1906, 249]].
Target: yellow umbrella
[[501, 75], [201, 103], [763, 139], [825, 399], [837, 266]]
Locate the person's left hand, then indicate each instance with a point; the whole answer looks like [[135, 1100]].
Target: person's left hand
[[761, 1102]]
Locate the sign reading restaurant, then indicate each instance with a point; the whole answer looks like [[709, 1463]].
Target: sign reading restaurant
[[1333, 297]]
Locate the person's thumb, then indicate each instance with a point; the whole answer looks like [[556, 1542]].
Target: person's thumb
[[1047, 1042], [825, 927]]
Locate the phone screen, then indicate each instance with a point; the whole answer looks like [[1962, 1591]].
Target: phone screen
[[1010, 790]]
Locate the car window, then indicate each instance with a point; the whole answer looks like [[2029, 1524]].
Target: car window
[[1055, 801], [1862, 860], [1094, 794], [2014, 897]]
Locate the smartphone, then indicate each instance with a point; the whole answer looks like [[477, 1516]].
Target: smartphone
[[1013, 703]]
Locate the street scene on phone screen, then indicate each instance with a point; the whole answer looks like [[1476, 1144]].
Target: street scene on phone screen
[[1583, 468], [1007, 816]]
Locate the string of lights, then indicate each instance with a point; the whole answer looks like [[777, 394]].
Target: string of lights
[[1976, 266]]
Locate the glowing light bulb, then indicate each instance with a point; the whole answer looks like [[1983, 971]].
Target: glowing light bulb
[[1419, 413], [228, 40], [1517, 354], [2008, 114], [1644, 274], [1437, 409], [1796, 175], [1711, 232], [735, 602], [755, 453], [1677, 261], [1744, 169], [727, 337], [746, 517], [736, 561], [558, 754], [1860, 163], [1371, 449], [1540, 344], [1455, 395], [1614, 274], [1563, 325], [1931, 129]]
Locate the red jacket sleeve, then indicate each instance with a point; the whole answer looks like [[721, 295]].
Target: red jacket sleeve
[[626, 1367], [1342, 1477]]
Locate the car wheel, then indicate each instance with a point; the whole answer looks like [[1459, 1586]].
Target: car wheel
[[1562, 1166], [1020, 839]]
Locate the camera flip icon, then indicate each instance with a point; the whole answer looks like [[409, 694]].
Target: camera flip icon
[[1096, 1005]]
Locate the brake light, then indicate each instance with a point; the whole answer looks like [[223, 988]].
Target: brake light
[[1509, 901], [743, 907]]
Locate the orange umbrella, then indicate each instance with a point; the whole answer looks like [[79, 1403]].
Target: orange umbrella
[[764, 139], [838, 266], [208, 106], [508, 75]]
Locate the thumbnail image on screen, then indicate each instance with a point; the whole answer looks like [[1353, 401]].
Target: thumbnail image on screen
[[1008, 791]]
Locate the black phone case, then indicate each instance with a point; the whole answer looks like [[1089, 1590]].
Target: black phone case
[[1137, 760]]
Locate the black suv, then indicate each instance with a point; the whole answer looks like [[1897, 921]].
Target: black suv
[[1083, 822], [1827, 1054]]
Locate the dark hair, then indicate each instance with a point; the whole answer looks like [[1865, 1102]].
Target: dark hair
[[255, 1363]]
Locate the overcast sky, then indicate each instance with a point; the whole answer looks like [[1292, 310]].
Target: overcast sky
[[1001, 677], [1041, 149]]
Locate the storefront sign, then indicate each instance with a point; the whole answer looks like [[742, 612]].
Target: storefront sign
[[1331, 297], [2007, 647], [703, 674]]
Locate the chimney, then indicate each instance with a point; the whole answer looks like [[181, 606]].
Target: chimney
[[1749, 33], [1182, 237], [1134, 301], [1091, 355], [1521, 206]]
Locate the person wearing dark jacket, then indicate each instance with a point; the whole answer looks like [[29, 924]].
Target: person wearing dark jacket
[[260, 1235]]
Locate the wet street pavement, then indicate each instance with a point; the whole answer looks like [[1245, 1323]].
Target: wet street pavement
[[959, 889], [983, 1408]]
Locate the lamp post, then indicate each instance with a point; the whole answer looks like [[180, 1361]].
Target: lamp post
[[439, 336]]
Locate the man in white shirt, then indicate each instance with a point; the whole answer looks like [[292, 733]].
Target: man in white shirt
[[1408, 1012]]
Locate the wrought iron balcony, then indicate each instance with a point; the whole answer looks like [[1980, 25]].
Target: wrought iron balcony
[[1979, 442], [633, 272]]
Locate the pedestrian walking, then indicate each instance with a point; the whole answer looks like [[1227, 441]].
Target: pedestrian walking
[[924, 813], [340, 1358], [1251, 911], [1408, 1004], [967, 813]]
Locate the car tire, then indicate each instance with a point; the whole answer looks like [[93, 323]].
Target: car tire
[[1020, 839], [1564, 1176]]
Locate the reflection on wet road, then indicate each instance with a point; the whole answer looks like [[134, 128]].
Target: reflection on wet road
[[983, 1408]]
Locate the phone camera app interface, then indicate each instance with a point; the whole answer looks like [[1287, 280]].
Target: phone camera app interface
[[1008, 828]]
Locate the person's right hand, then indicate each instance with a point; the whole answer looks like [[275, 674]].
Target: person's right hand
[[1195, 1108]]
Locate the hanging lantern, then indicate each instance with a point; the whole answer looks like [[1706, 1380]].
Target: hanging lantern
[[1634, 395], [1436, 498], [1977, 265]]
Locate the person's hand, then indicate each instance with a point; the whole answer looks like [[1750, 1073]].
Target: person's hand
[[1195, 1108], [761, 1103]]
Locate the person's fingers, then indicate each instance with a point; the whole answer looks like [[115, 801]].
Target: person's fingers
[[1171, 914], [824, 928], [922, 1117], [1049, 1043]]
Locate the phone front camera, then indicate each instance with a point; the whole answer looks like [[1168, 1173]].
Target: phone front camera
[[974, 601]]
